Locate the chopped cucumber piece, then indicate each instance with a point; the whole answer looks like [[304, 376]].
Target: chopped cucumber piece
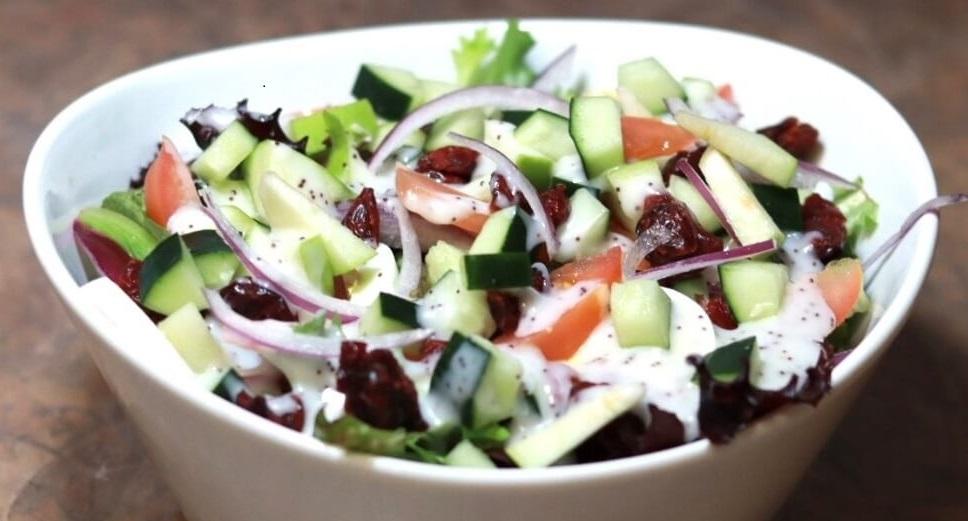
[[698, 91], [169, 278], [297, 170], [783, 205], [730, 362], [216, 262], [340, 150], [441, 258], [516, 117], [393, 92], [224, 154], [231, 192], [285, 207], [357, 118], [553, 441], [450, 306], [547, 133], [129, 235], [315, 262], [482, 382], [239, 220], [585, 229], [188, 332], [504, 231], [469, 123], [693, 288], [387, 314], [131, 204], [498, 270], [749, 219], [536, 167], [641, 313], [683, 190], [753, 289], [628, 186], [466, 454], [596, 128], [650, 83], [752, 149]]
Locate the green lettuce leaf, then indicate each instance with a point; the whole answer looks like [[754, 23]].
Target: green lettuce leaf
[[860, 211], [480, 62], [471, 54], [131, 204], [358, 436]]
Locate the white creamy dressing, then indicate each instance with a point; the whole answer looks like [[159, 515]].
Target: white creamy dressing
[[540, 311], [789, 342], [309, 380], [665, 373], [189, 218], [280, 248], [548, 384]]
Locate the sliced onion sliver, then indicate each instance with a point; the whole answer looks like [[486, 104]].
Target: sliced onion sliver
[[411, 266], [644, 244], [295, 292], [556, 72], [517, 181], [506, 98], [929, 207], [278, 336], [808, 174], [707, 194], [707, 260]]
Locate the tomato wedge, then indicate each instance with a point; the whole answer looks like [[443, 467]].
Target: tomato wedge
[[439, 203], [645, 138], [605, 266], [841, 283], [725, 91], [562, 340], [168, 184]]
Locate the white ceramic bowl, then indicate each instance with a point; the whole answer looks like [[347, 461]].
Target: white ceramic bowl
[[224, 463]]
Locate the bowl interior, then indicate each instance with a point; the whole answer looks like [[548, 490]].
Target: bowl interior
[[98, 143]]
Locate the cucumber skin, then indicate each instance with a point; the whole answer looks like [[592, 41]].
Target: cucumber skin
[[783, 205], [498, 270], [387, 101], [170, 258]]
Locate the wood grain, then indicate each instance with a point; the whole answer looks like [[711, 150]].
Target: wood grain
[[66, 451]]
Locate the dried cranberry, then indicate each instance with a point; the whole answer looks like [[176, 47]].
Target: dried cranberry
[[255, 301], [377, 390], [555, 203], [506, 310], [266, 126], [451, 164], [258, 405], [622, 437], [339, 288], [822, 216], [422, 351], [798, 138], [718, 309], [692, 156], [363, 217], [501, 194], [578, 385], [538, 279], [687, 237]]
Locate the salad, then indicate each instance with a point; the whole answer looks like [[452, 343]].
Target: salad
[[503, 270]]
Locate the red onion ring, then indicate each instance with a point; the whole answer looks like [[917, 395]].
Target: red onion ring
[[707, 260], [809, 174], [277, 336], [301, 296], [893, 241], [411, 265], [507, 98], [707, 194], [517, 181], [556, 72]]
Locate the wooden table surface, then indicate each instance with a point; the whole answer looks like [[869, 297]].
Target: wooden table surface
[[68, 453]]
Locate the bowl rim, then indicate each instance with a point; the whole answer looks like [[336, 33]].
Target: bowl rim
[[864, 354]]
